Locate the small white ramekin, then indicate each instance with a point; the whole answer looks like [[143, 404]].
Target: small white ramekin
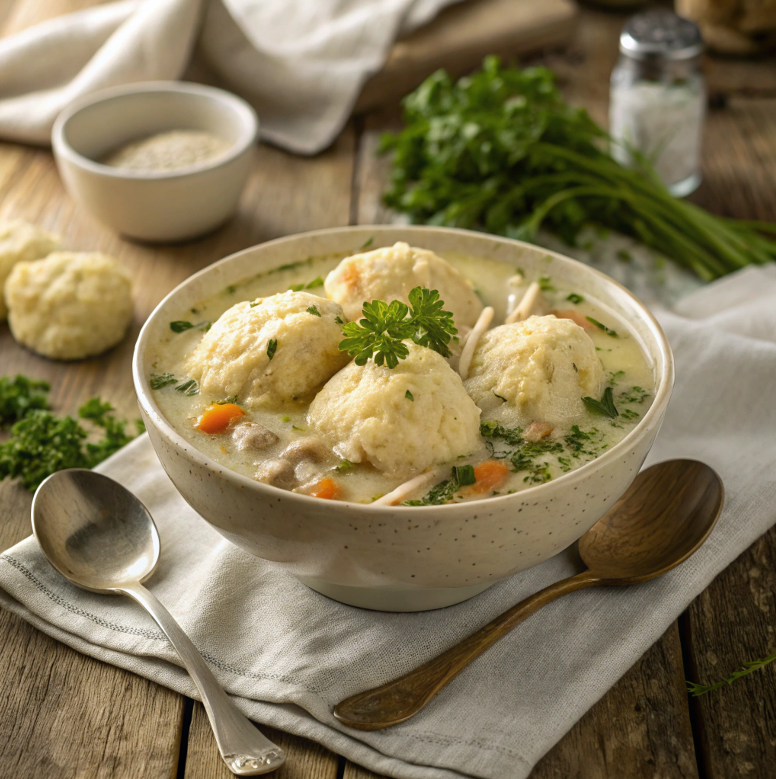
[[161, 205]]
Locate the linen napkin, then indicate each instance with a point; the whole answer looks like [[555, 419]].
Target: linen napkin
[[301, 63], [288, 654]]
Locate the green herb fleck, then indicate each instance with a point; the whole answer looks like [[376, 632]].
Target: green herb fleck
[[625, 255], [604, 406], [339, 320], [272, 347], [500, 397], [545, 284], [369, 241], [408, 395], [607, 330], [285, 419], [575, 299], [159, 380], [231, 289], [614, 375], [345, 466], [313, 310], [230, 399], [180, 326]]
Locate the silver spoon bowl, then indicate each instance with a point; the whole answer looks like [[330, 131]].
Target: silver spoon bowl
[[99, 536]]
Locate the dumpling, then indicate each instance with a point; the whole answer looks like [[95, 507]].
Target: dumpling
[[537, 370], [401, 420], [271, 351], [392, 272], [69, 305], [21, 242]]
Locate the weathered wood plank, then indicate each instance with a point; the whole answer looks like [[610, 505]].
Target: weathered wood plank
[[305, 759], [733, 621]]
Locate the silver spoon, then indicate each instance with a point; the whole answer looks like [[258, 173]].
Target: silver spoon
[[101, 537]]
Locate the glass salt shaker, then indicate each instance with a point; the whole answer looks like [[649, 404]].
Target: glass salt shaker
[[658, 97]]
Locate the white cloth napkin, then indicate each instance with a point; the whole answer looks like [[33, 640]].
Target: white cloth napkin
[[288, 654], [301, 63]]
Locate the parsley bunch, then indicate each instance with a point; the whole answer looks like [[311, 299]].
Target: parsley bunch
[[501, 151], [380, 335]]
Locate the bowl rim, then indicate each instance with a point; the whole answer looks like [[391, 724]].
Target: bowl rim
[[249, 128], [664, 381]]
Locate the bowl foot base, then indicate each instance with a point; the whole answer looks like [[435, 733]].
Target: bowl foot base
[[395, 598]]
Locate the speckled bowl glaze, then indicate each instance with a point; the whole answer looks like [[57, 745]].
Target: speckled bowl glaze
[[403, 558]]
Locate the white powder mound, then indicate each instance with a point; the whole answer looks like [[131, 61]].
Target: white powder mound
[[366, 415], [392, 272], [537, 370], [69, 305], [21, 242], [233, 357]]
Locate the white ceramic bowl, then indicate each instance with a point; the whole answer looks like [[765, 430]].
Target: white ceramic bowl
[[403, 558], [164, 205]]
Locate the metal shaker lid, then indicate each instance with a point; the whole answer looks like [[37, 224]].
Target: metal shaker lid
[[660, 34]]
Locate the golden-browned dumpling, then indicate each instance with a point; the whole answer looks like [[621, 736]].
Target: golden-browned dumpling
[[392, 272], [70, 305], [537, 370], [271, 351], [401, 420], [21, 242]]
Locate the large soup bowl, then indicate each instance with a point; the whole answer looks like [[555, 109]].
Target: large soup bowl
[[399, 558]]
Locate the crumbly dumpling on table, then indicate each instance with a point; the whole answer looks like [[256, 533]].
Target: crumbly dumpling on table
[[233, 357], [392, 272], [537, 370], [365, 414], [69, 305], [21, 242]]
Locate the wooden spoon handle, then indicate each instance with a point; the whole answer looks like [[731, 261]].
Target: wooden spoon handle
[[404, 697]]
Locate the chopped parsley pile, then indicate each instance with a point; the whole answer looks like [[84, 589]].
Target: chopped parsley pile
[[41, 442]]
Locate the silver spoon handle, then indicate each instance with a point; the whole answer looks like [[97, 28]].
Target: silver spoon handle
[[244, 749]]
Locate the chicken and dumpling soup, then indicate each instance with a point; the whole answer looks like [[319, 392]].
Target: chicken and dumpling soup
[[389, 377]]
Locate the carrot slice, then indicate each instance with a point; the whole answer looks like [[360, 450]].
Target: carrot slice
[[326, 488], [575, 317], [217, 417], [489, 475]]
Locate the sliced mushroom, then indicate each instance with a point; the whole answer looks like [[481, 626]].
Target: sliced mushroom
[[278, 473], [533, 303], [251, 435], [311, 449], [537, 431]]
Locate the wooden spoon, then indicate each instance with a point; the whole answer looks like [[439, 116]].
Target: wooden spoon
[[665, 515]]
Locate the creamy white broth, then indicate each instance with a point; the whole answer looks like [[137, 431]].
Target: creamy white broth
[[626, 370]]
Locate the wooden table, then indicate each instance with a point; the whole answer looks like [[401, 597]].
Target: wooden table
[[65, 715]]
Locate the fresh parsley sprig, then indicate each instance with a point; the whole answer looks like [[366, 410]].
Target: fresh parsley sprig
[[380, 335], [753, 665], [604, 406]]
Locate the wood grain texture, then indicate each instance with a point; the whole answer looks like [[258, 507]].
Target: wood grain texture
[[305, 759], [732, 621]]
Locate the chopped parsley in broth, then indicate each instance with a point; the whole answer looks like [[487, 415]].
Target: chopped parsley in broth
[[281, 444]]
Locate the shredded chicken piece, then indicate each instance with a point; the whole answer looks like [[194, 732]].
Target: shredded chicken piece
[[413, 485], [278, 473], [483, 323], [537, 431], [251, 435], [532, 303]]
